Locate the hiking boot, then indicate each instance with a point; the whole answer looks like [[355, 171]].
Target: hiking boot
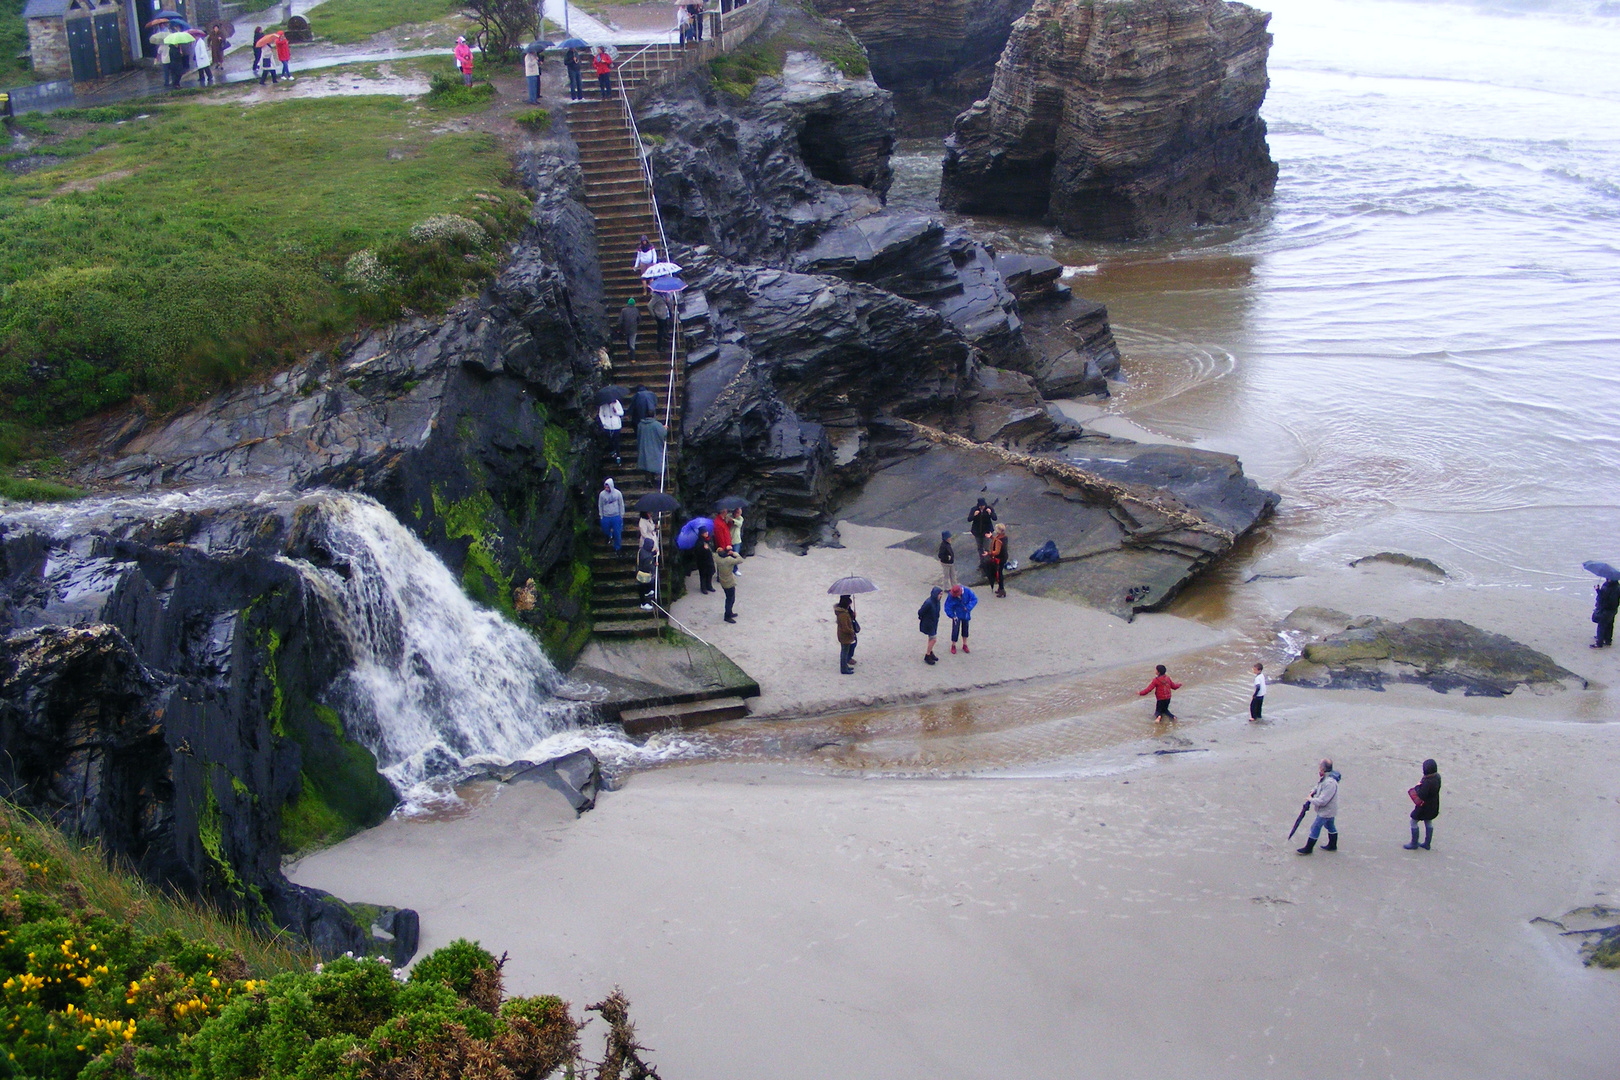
[[1310, 846], [1333, 842], [1414, 845]]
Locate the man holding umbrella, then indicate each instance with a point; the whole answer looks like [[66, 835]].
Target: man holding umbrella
[[531, 69], [848, 631], [1603, 612], [576, 87]]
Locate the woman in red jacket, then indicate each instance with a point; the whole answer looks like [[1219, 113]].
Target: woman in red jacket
[[1160, 688], [603, 64]]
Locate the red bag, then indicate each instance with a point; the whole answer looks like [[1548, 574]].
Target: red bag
[[1411, 793]]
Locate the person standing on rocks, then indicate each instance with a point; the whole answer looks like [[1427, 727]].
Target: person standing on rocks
[[1603, 612], [982, 522], [602, 64], [725, 566], [959, 604], [576, 86], [629, 323], [610, 509], [610, 414], [1324, 799], [1258, 700], [531, 74], [464, 60], [1425, 798], [947, 560], [848, 631], [998, 560], [665, 318], [1160, 688], [928, 623], [703, 555]]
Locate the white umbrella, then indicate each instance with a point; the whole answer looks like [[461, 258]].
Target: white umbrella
[[658, 270]]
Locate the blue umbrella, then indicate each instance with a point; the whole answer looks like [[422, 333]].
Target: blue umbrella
[[1602, 570], [571, 43], [670, 284], [687, 538]]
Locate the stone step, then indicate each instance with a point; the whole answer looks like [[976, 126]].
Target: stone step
[[691, 714], [639, 628]]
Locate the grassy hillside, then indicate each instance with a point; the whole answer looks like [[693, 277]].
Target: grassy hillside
[[352, 21], [170, 250]]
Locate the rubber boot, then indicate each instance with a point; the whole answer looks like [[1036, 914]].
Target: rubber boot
[[1428, 834], [1333, 842], [1414, 845], [1310, 846]]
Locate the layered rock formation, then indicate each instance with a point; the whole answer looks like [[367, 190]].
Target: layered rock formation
[[928, 45], [1120, 119]]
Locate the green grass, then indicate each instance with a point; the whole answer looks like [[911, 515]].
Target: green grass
[[209, 242], [450, 92], [14, 69], [350, 21], [26, 489], [535, 121], [791, 25]]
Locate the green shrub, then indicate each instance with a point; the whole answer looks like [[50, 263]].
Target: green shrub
[[450, 92], [457, 966], [535, 121]]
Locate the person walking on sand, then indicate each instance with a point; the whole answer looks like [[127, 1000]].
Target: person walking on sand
[[576, 86], [703, 555], [610, 414], [1258, 700], [602, 64], [531, 73], [998, 560], [947, 559], [982, 522], [959, 604], [725, 567], [629, 323], [928, 623], [1324, 799], [1603, 612], [1160, 688], [284, 54], [848, 630], [464, 60], [1425, 798], [610, 510]]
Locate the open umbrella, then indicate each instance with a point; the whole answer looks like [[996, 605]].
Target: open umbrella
[[1602, 570], [180, 38], [174, 20], [611, 393], [848, 586], [538, 46], [267, 41], [656, 502], [687, 538], [571, 43], [731, 502], [658, 270], [667, 285]]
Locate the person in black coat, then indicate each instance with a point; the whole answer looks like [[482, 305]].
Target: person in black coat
[[982, 522], [646, 573], [703, 555], [1425, 805], [1603, 611], [947, 559], [643, 406], [928, 623]]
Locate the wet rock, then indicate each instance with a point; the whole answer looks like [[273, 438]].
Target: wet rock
[[1032, 278], [926, 45], [1120, 119], [1396, 558], [576, 776], [1444, 654]]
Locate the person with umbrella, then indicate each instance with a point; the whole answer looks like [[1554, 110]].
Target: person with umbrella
[[848, 632], [610, 510], [998, 560], [725, 572], [576, 87], [176, 44], [267, 45], [610, 414], [602, 64], [1607, 602], [703, 555], [646, 256], [665, 318], [629, 323], [928, 623], [161, 50], [643, 403], [531, 71], [647, 528], [284, 53], [959, 605], [1324, 799], [216, 52]]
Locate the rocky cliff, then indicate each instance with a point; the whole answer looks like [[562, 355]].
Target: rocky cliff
[[1120, 119]]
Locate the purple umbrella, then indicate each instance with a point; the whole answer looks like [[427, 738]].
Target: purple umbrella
[[669, 284], [687, 538]]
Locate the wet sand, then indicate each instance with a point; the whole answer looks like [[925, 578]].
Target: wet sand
[[1148, 922]]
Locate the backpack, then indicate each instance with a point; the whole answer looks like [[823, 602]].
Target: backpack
[[1046, 553]]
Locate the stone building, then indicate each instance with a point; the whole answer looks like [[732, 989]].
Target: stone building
[[81, 39]]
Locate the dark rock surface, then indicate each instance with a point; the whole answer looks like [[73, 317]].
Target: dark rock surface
[[1444, 654], [1397, 558], [937, 46], [1120, 119]]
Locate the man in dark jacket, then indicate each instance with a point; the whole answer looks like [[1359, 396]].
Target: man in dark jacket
[[1425, 805], [1608, 602], [643, 406], [629, 323], [982, 522], [848, 628], [947, 559], [928, 623]]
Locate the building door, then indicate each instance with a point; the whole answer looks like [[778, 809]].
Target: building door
[[109, 47], [81, 49], [144, 10]]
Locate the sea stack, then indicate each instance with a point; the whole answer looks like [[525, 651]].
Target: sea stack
[[1120, 119]]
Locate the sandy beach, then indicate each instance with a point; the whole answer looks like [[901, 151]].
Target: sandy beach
[[1145, 922]]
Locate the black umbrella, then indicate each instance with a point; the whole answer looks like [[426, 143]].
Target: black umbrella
[[1602, 570], [846, 586], [656, 502], [731, 502], [611, 393], [537, 46]]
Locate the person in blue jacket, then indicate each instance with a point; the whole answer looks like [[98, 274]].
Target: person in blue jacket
[[928, 623], [959, 609]]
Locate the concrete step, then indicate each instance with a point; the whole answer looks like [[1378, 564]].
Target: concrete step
[[640, 628], [691, 714]]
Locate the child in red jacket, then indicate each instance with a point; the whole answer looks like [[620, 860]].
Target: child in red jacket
[[1160, 688]]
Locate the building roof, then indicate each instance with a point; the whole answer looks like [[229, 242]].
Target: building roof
[[45, 9]]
